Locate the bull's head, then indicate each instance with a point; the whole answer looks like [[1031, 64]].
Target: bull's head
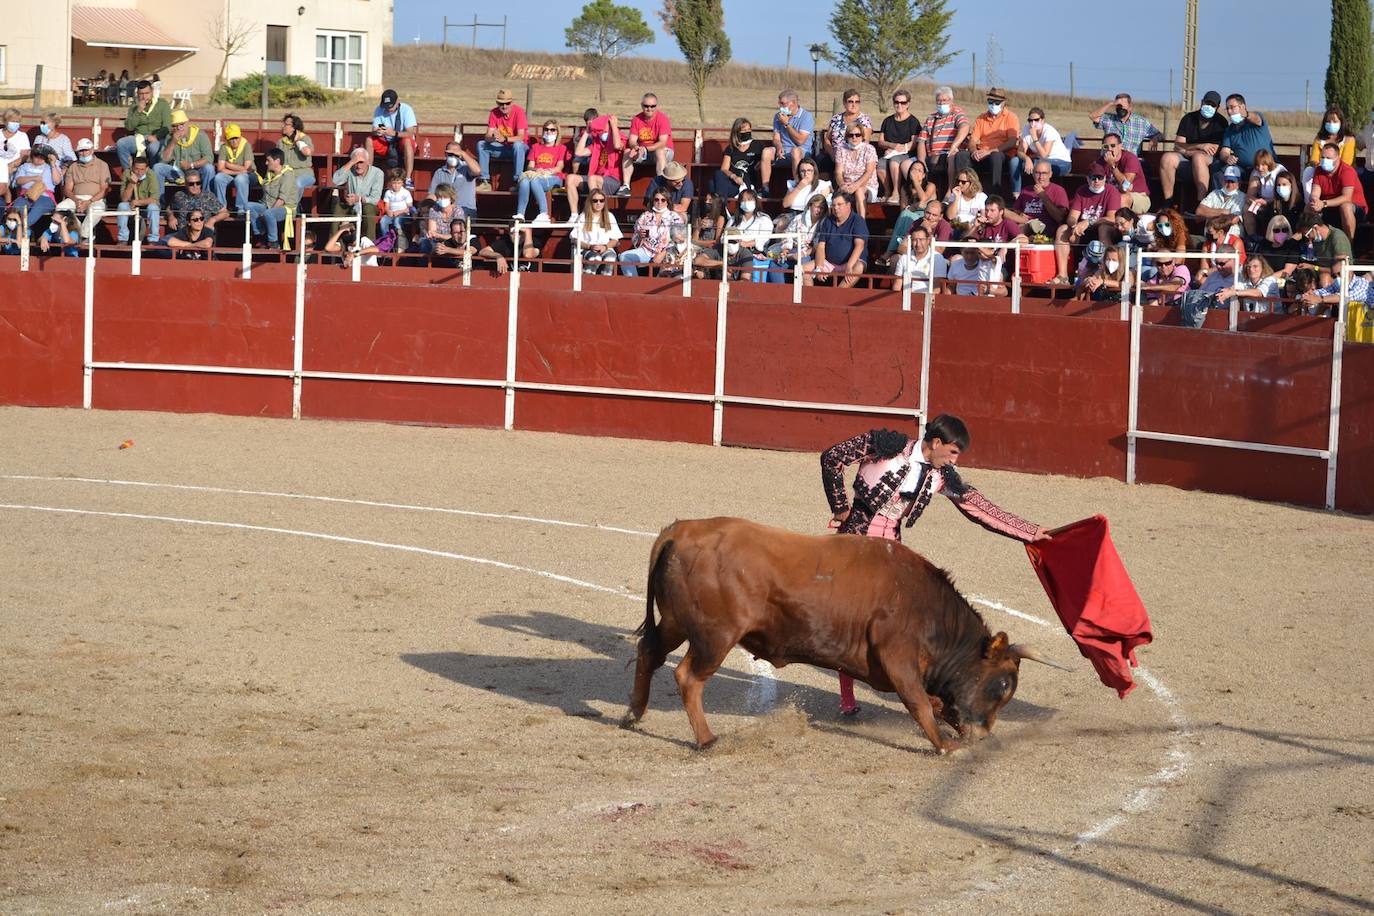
[[990, 686]]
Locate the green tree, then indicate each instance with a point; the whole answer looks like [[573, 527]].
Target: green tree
[[884, 43], [603, 32], [1350, 72], [699, 27]]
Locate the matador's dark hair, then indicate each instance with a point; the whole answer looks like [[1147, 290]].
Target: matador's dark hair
[[947, 428]]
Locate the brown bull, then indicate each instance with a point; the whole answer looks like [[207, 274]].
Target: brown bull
[[867, 607]]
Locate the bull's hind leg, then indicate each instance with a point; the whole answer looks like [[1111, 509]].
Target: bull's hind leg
[[691, 675], [653, 651]]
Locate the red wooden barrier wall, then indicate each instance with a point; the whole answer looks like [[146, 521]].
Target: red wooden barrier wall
[[1042, 391]]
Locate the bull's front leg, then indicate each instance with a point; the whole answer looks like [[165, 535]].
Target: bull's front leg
[[923, 707]]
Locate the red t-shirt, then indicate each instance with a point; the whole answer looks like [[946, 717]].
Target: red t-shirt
[[1029, 205], [511, 124], [648, 130], [546, 157], [1334, 184]]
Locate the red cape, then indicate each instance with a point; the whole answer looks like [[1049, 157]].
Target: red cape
[[1094, 597]]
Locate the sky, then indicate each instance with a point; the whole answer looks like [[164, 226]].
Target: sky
[[1235, 38]]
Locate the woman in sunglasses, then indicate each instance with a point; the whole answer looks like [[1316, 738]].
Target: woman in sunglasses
[[597, 234], [652, 235], [856, 168]]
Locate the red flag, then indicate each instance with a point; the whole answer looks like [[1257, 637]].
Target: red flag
[[1094, 597]]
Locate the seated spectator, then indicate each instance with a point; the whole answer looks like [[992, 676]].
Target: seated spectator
[[675, 183], [140, 190], [917, 190], [63, 234], [1125, 173], [50, 135], [194, 196], [710, 227], [1170, 281], [834, 138], [601, 144], [1337, 195], [1246, 134], [438, 221], [1041, 142], [896, 140], [280, 197], [911, 215], [15, 142], [919, 261], [148, 123], [748, 232], [1288, 200], [547, 160], [234, 166], [85, 183], [1279, 247], [456, 242], [805, 225], [800, 190], [1332, 130], [398, 204], [746, 163], [974, 274], [1044, 201], [582, 139], [793, 131], [652, 235], [394, 129], [33, 187], [1092, 212], [934, 220], [457, 177], [186, 150], [1198, 140], [1259, 194], [675, 260], [1118, 117], [1221, 231], [1227, 200], [651, 137], [500, 249], [1322, 244], [359, 187], [1104, 280], [13, 233], [194, 239], [942, 136], [992, 143], [506, 127], [1220, 274], [343, 242], [856, 169], [1170, 231], [965, 201], [991, 224], [841, 243], [297, 150], [1258, 290]]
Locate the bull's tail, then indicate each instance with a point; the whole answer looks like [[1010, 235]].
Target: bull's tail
[[658, 561], [651, 650]]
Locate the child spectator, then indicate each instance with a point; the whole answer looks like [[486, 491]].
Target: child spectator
[[397, 203]]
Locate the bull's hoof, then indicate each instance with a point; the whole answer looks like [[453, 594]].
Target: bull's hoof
[[707, 744], [629, 720], [949, 748]]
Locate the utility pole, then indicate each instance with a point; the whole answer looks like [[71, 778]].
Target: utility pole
[[1189, 95], [973, 76], [1071, 96]]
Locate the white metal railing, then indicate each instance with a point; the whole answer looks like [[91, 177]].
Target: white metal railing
[[1016, 282], [1134, 433], [796, 237]]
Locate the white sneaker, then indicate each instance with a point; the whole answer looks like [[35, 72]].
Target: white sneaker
[[541, 220]]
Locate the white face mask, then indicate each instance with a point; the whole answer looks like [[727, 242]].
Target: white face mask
[[443, 202], [1166, 230], [994, 108], [1236, 118], [747, 206], [1284, 191], [942, 108], [784, 110], [12, 126], [1112, 265], [660, 208], [1096, 189], [452, 161], [605, 136], [550, 137], [12, 227]]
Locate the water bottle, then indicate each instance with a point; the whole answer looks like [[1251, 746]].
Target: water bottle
[[424, 149]]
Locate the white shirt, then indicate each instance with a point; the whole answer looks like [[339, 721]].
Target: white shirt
[[982, 270], [1266, 182], [398, 202], [753, 225], [596, 235], [923, 269], [1218, 199], [823, 188], [13, 147], [1048, 134], [964, 209]]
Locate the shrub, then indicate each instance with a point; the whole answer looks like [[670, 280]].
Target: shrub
[[282, 92]]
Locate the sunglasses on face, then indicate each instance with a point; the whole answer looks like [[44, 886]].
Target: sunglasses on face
[[195, 219], [193, 184], [598, 200], [900, 102], [962, 181], [648, 107], [851, 101], [503, 104], [660, 200], [1034, 120], [1097, 177]]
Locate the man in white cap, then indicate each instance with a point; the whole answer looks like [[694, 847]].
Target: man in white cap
[[86, 182], [360, 190], [1227, 200], [507, 126]]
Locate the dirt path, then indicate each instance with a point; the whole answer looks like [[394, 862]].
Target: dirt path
[[224, 718]]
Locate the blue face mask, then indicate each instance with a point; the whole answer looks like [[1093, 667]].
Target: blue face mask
[[46, 129], [1236, 118], [85, 160], [1332, 127], [1208, 111], [12, 126], [940, 109]]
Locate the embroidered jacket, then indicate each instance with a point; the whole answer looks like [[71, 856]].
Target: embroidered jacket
[[894, 481]]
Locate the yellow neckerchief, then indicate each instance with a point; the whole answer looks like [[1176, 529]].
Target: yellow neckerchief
[[191, 135], [289, 227], [243, 148], [263, 179]]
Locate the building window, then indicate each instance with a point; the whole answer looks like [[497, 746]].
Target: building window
[[339, 60]]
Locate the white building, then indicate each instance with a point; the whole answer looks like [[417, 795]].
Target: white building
[[337, 43]]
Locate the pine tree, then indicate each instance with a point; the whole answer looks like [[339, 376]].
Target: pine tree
[[886, 42], [603, 32], [1350, 73]]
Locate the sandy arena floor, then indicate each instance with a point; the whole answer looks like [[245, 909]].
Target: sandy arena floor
[[364, 704]]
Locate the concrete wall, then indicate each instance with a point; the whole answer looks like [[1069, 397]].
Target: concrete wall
[[35, 34]]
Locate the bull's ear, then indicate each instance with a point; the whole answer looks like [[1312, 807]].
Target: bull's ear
[[996, 646]]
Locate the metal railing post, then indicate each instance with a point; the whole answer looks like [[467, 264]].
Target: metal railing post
[[136, 264], [718, 388], [797, 269], [88, 333], [1016, 281], [576, 262]]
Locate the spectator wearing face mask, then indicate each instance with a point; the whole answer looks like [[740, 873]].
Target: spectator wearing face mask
[[1333, 129], [1227, 200], [51, 135], [14, 143], [1117, 117], [547, 160], [856, 169], [600, 144], [1198, 141], [1169, 231], [1246, 134], [992, 143], [85, 183], [1337, 195], [457, 178], [1091, 216], [942, 135], [12, 232], [749, 231], [1259, 194], [746, 163], [1279, 246]]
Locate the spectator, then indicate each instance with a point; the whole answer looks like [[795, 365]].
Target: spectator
[[651, 136], [1092, 211], [919, 261], [1246, 134], [991, 225], [1117, 117], [706, 236], [506, 124], [1333, 129], [1365, 141], [298, 151], [841, 243], [897, 141], [800, 190], [394, 128], [749, 232], [852, 115], [1227, 200], [1044, 201], [652, 235], [147, 123], [63, 233], [1279, 246], [455, 242], [500, 249], [965, 200], [917, 189], [442, 213], [1288, 197], [33, 186], [4, 184], [51, 136], [457, 178], [1169, 231], [746, 163], [1221, 230], [1221, 275], [856, 169], [793, 129], [235, 166], [14, 141], [194, 196], [343, 242], [1102, 279], [1125, 173], [547, 160], [601, 144], [934, 220], [582, 139], [803, 224], [156, 82], [1258, 290], [13, 233], [913, 212], [942, 135], [120, 87], [281, 194], [1170, 281], [1336, 191], [85, 183], [973, 274], [359, 190], [675, 183], [1322, 244], [1198, 140], [186, 150], [398, 204], [1041, 142], [195, 238], [1259, 193], [140, 190], [992, 143]]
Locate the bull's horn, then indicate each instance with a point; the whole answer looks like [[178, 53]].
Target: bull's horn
[[1030, 653]]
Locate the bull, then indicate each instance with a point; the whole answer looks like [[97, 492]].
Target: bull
[[867, 607]]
